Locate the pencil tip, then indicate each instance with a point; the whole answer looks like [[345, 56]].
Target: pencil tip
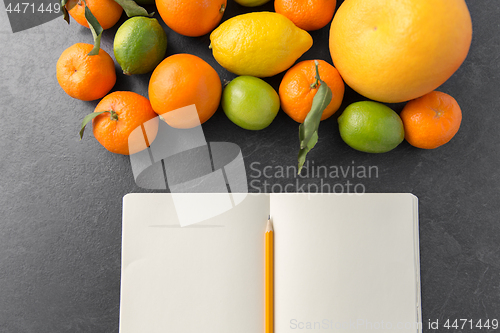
[[269, 225]]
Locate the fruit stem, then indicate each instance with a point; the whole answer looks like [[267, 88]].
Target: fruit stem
[[222, 9], [316, 83], [113, 115]]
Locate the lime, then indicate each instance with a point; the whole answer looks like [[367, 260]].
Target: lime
[[140, 45], [251, 3], [371, 127], [250, 102]]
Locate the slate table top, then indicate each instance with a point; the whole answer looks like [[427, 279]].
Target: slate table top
[[60, 199]]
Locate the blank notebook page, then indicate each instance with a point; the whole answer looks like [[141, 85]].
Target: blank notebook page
[[346, 263], [207, 277]]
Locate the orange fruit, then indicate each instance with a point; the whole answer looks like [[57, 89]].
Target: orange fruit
[[395, 51], [191, 17], [130, 113], [107, 12], [85, 77], [307, 14], [182, 80], [431, 120], [297, 92]]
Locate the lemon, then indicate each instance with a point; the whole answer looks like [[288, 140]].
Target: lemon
[[260, 44], [140, 45], [371, 127], [251, 3]]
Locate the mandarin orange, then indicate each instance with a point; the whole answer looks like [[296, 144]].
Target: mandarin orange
[[191, 18], [107, 12], [297, 89], [180, 81], [85, 77], [307, 14], [431, 120], [129, 126]]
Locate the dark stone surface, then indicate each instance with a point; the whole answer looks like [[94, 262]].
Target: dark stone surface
[[60, 199]]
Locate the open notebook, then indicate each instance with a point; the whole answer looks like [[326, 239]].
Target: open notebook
[[343, 263]]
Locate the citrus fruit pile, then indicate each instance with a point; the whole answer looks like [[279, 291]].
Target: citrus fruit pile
[[387, 51]]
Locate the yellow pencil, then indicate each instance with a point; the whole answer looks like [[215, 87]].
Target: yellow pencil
[[269, 277]]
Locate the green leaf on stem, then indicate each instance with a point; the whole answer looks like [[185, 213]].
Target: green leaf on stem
[[88, 118], [308, 131], [133, 9], [96, 29], [65, 10], [303, 151]]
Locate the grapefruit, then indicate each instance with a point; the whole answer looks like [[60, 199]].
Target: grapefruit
[[394, 51]]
